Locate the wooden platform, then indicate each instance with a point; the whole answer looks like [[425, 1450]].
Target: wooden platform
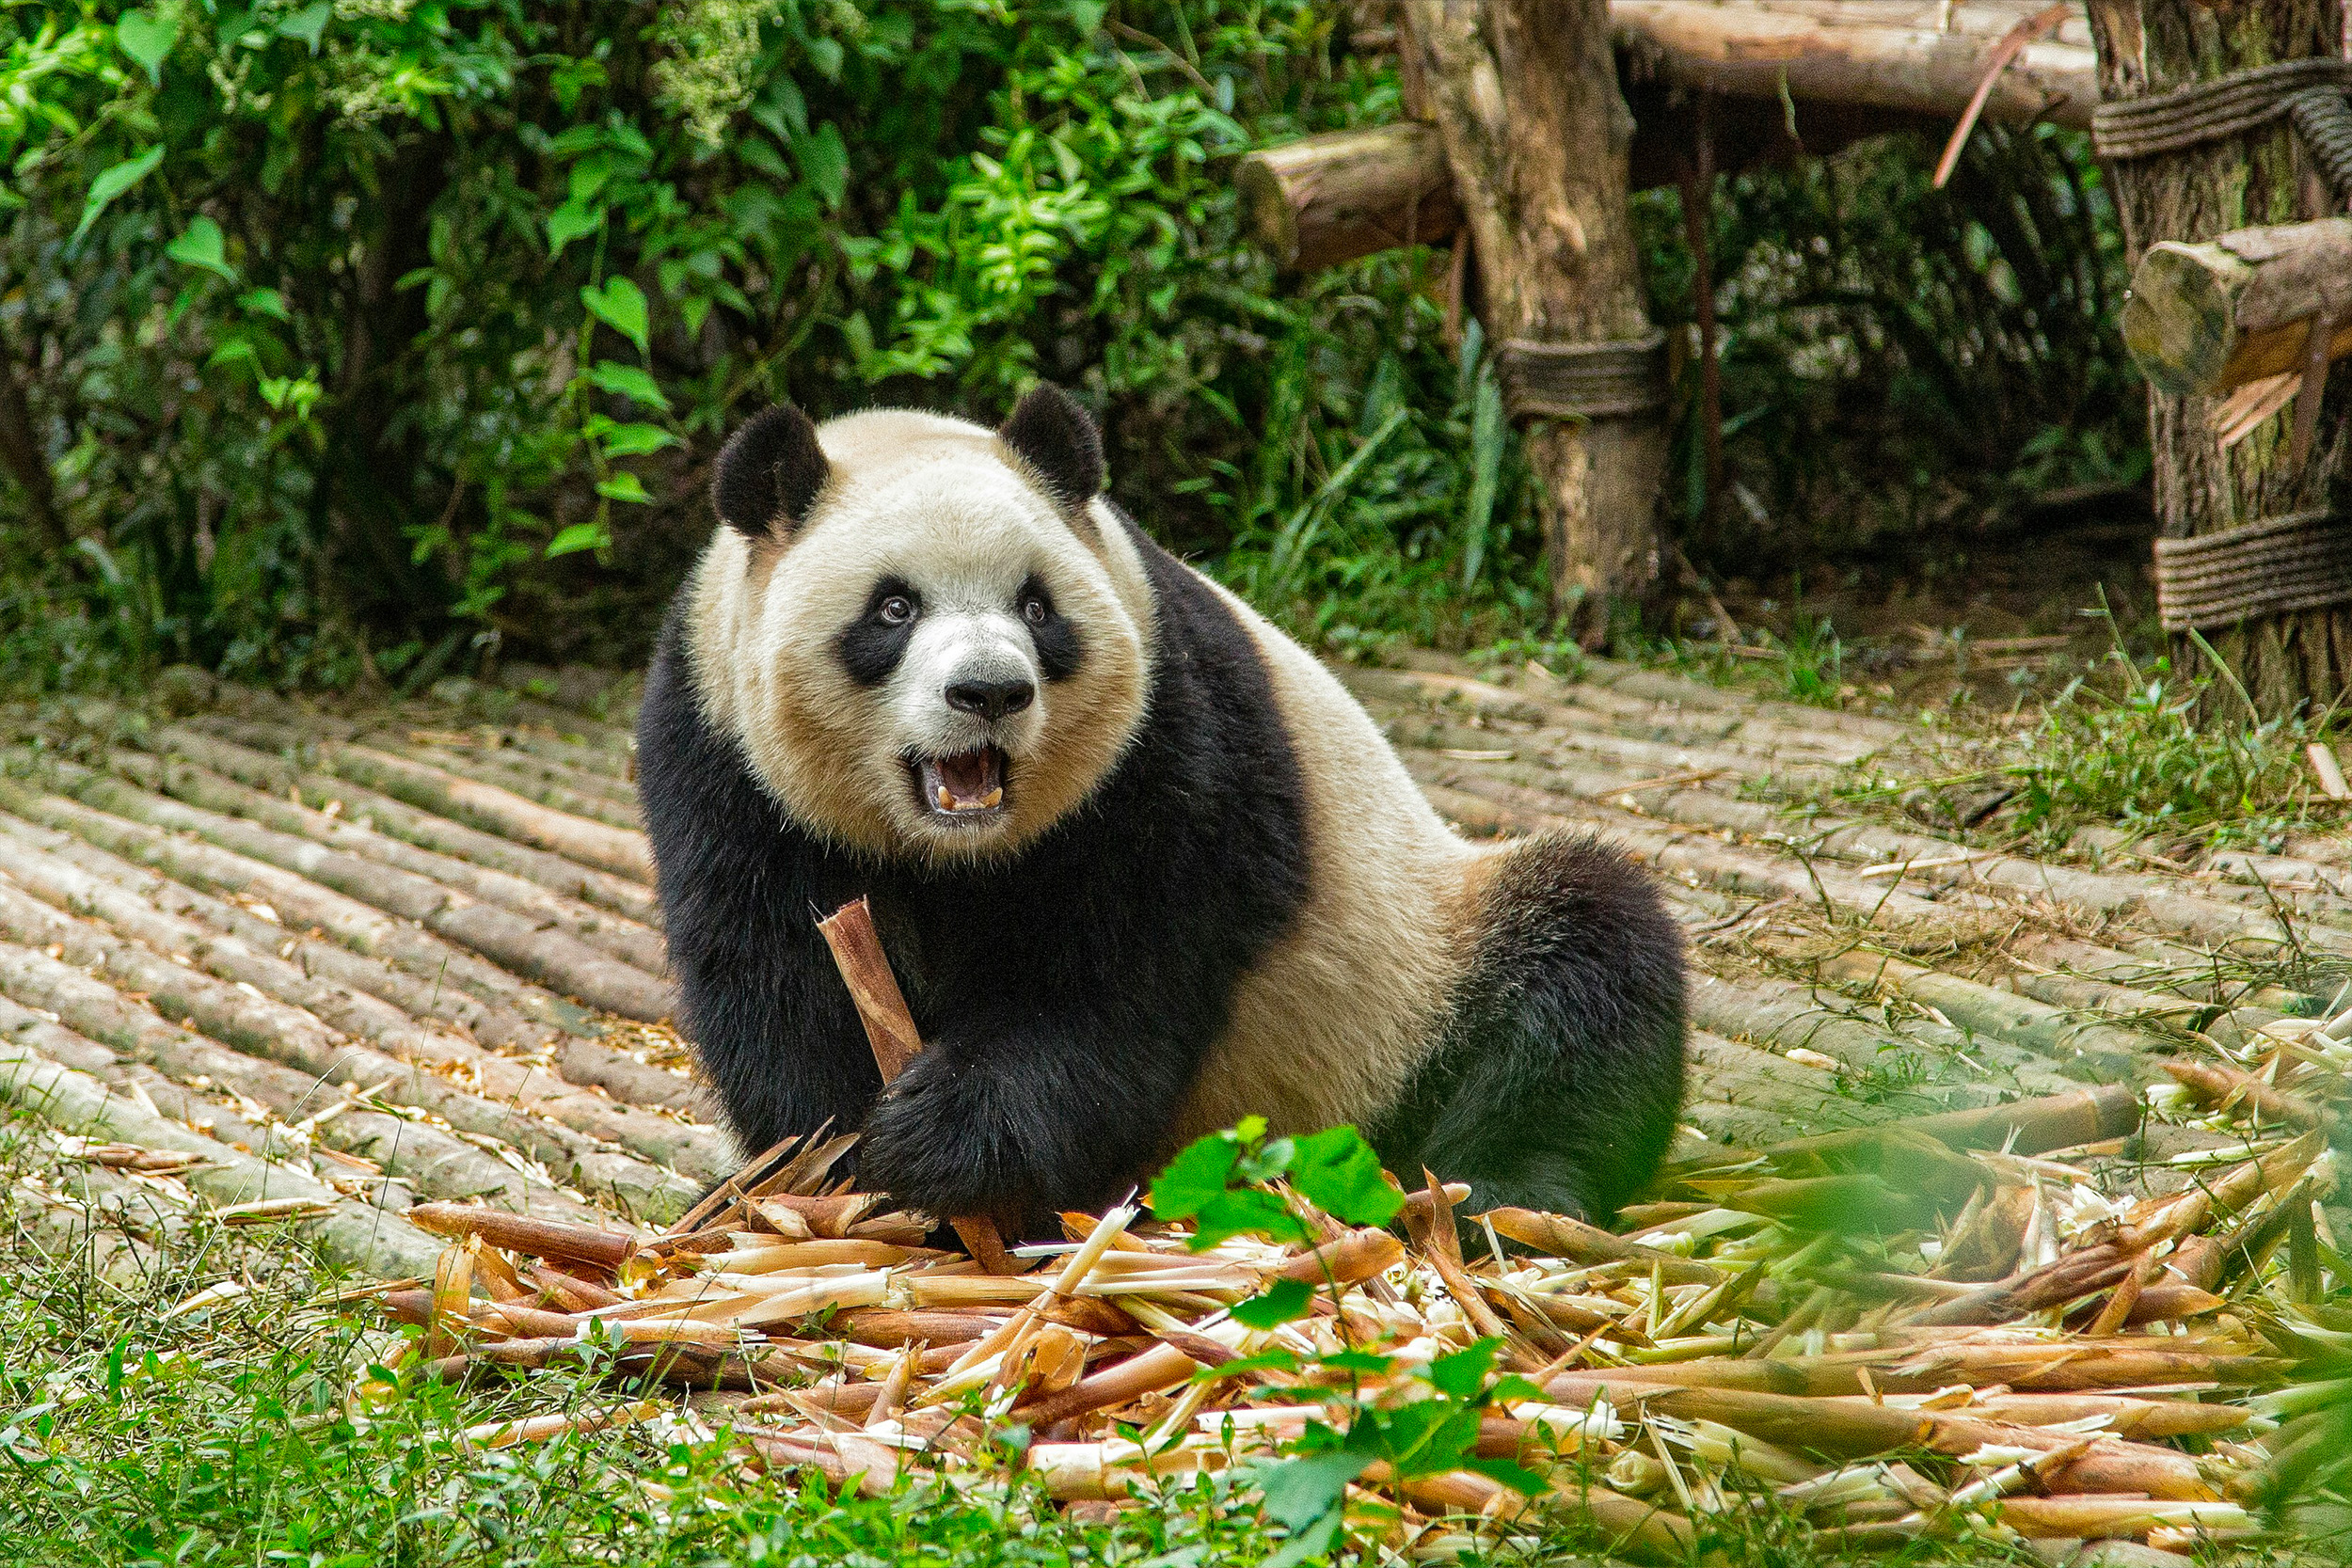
[[365, 957]]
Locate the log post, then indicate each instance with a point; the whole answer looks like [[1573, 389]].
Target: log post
[[2191, 195], [1852, 69], [1525, 97], [2207, 318]]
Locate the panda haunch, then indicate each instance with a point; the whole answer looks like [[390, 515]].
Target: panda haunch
[[1141, 864]]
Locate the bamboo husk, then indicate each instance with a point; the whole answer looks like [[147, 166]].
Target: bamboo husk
[[1943, 1391]]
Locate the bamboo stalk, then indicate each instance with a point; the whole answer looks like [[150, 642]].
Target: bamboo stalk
[[66, 884], [576, 1244], [857, 952], [549, 955], [615, 935]]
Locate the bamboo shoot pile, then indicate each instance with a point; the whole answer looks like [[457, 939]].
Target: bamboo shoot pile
[[1959, 1321]]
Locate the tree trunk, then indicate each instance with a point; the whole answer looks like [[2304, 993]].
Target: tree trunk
[[2260, 177], [1525, 96]]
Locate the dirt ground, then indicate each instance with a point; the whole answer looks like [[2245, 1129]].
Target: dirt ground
[[2016, 613]]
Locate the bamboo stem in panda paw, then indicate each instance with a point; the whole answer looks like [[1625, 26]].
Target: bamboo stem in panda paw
[[857, 950]]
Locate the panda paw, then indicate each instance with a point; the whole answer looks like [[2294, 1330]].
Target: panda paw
[[937, 1142]]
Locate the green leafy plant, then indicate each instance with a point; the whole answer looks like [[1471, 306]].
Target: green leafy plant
[[1238, 1183], [389, 336]]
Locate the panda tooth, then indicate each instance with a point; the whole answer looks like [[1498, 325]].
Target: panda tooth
[[994, 799], [946, 802]]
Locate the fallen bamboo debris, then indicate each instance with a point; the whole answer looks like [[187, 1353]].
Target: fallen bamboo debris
[[2016, 1347]]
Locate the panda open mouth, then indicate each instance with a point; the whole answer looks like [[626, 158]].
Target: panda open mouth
[[969, 786]]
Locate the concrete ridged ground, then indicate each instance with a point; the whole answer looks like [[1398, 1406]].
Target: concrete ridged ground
[[371, 956]]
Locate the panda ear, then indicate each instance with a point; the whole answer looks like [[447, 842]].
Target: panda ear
[[1050, 432], [769, 473]]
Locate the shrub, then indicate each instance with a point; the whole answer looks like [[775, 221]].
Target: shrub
[[382, 332]]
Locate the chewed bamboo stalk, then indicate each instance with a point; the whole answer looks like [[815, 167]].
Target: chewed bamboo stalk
[[537, 1237]]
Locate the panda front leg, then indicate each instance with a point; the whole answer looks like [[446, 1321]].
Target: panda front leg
[[1018, 1118]]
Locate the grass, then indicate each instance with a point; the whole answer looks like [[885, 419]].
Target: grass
[[2125, 747]]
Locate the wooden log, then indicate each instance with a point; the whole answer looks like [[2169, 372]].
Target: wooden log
[[550, 955], [431, 1161], [380, 1003], [496, 810], [220, 743], [597, 804], [294, 1053], [355, 1234], [1908, 55], [2205, 319], [1331, 199], [514, 1095], [415, 995], [630, 942], [2289, 659], [299, 904], [1852, 69], [1536, 132]]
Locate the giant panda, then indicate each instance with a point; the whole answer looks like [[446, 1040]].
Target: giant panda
[[1141, 864]]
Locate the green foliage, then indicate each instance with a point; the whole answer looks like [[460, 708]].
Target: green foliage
[[2143, 760], [1220, 1183], [1236, 1183], [385, 332], [2130, 746], [1900, 361]]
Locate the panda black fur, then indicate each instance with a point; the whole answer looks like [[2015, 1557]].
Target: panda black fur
[[1141, 865]]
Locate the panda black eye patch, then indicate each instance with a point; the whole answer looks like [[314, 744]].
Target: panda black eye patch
[[871, 647], [1056, 640]]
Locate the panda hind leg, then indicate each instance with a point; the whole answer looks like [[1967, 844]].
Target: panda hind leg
[[1559, 1079]]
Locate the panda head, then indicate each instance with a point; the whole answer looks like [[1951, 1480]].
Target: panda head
[[932, 639]]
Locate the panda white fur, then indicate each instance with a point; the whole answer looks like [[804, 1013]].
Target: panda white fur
[[1141, 864]]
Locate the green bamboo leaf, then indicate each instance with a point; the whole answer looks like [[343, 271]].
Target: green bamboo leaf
[[623, 486], [579, 536], [309, 23], [635, 440], [569, 221], [824, 161], [1337, 1172], [1195, 1177], [111, 183], [1285, 1301]]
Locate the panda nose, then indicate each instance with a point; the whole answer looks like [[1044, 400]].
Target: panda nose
[[992, 699]]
